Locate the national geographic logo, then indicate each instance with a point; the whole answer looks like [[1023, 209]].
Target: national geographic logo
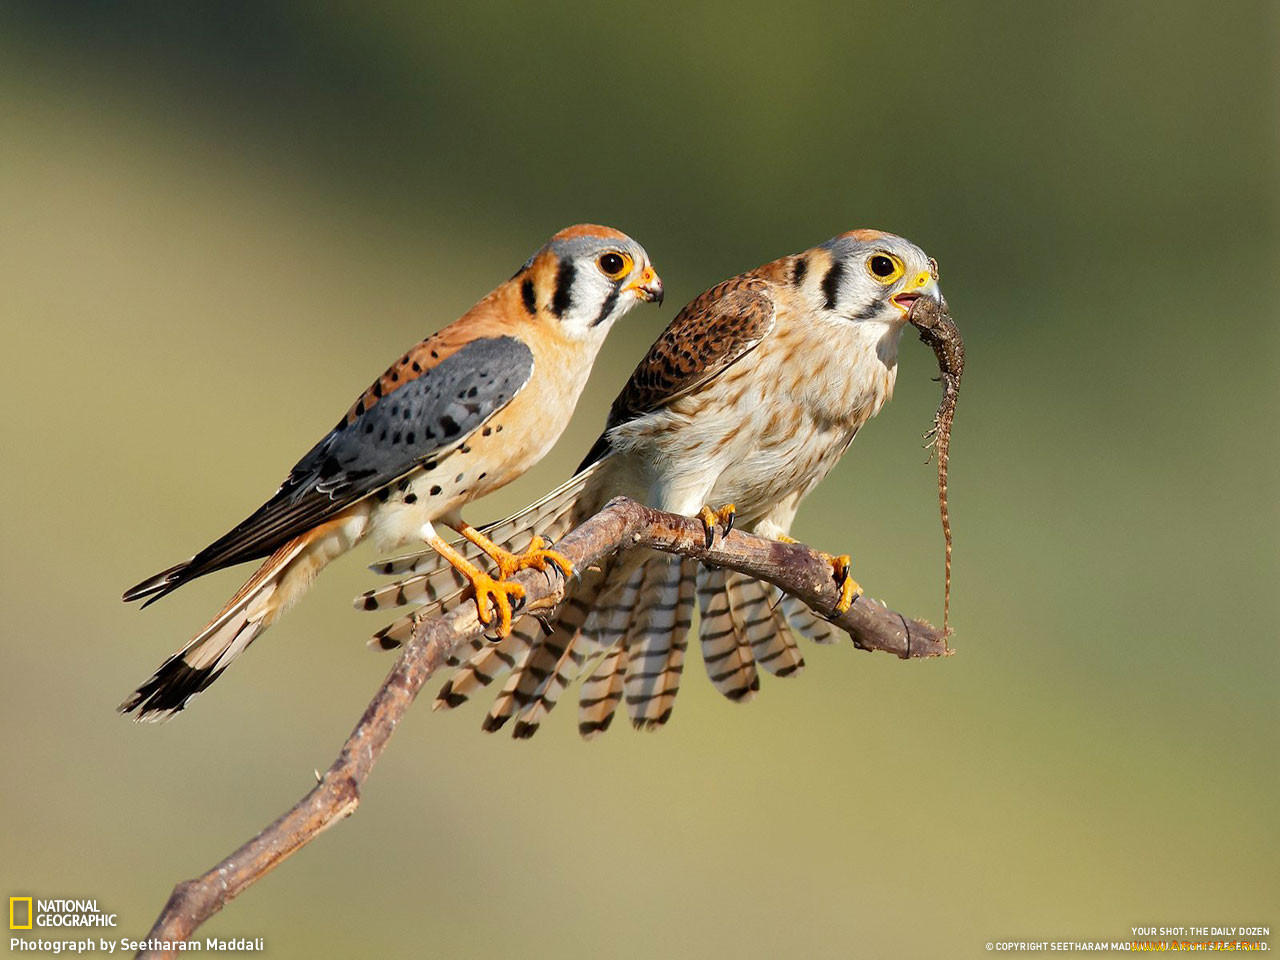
[[26, 912], [16, 913]]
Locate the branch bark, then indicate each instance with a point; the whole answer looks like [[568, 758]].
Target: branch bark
[[621, 524]]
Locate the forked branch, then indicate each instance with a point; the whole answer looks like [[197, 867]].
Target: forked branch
[[620, 525]]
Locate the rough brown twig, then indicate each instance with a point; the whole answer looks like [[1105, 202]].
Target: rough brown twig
[[621, 524]]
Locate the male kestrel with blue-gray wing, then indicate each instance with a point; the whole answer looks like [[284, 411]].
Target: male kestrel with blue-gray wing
[[464, 412]]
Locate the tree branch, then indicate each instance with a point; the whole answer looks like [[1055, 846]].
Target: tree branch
[[621, 524]]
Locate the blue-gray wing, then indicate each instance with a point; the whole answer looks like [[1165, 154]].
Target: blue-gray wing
[[424, 418]]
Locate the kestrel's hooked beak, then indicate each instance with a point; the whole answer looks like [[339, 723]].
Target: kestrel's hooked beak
[[924, 284], [647, 286]]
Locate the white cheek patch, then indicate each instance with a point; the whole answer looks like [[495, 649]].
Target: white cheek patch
[[595, 303]]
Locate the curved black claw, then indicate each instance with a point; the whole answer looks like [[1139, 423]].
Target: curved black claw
[[708, 518], [723, 517], [550, 547]]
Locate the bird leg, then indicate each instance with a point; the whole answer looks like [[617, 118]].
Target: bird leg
[[850, 589], [538, 556], [488, 592], [724, 517]]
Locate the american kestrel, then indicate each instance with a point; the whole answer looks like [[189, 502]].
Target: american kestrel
[[462, 413], [749, 398]]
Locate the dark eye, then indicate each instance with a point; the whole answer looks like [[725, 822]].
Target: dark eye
[[612, 265], [885, 267]]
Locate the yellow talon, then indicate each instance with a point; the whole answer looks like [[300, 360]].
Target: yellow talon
[[849, 588], [536, 557], [488, 592], [723, 517], [499, 593]]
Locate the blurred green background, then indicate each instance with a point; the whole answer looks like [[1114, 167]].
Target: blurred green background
[[218, 222]]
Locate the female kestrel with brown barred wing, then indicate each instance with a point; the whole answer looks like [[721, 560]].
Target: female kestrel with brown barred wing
[[464, 412], [749, 398]]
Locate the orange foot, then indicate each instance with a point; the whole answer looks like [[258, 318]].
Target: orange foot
[[537, 557], [710, 518], [503, 595], [490, 594], [849, 588]]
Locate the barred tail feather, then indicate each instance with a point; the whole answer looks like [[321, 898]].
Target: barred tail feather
[[725, 650], [657, 637], [602, 692], [607, 626], [535, 684], [487, 662], [398, 632], [600, 608], [807, 623], [574, 646], [519, 691], [547, 694], [772, 645], [393, 635], [436, 590], [634, 614], [505, 705], [276, 586], [615, 604]]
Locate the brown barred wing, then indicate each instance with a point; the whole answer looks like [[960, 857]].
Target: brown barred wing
[[708, 336]]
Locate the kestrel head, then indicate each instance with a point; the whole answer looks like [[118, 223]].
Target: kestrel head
[[585, 278], [874, 276]]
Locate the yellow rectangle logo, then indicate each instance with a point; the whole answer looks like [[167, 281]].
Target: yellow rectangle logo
[[13, 923]]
